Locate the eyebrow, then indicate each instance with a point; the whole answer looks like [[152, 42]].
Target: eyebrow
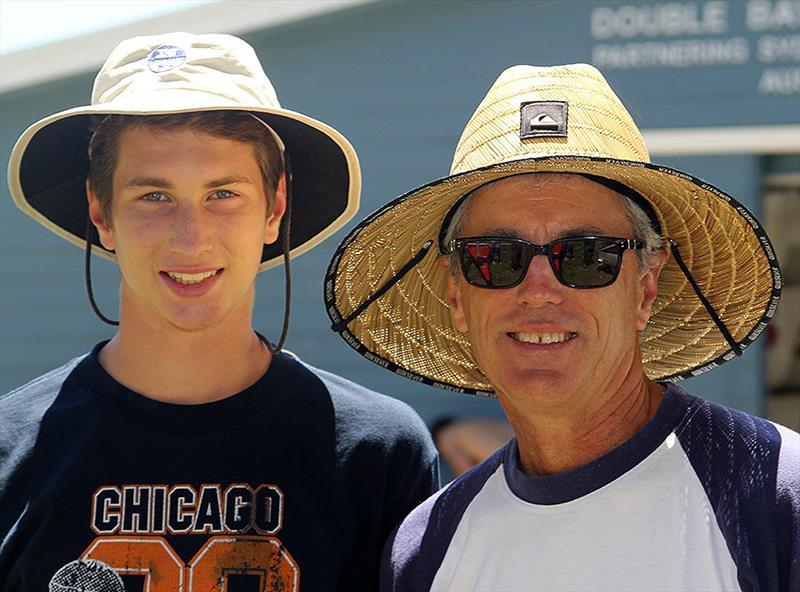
[[160, 182], [581, 231], [576, 231]]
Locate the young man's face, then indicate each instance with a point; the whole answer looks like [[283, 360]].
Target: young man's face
[[594, 332], [188, 222]]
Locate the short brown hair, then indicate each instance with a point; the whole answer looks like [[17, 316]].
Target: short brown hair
[[233, 125]]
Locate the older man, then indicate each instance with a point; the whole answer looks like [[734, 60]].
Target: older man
[[577, 282]]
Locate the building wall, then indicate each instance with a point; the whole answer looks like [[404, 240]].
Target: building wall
[[400, 81]]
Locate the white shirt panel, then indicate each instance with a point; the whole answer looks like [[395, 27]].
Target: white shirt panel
[[651, 529]]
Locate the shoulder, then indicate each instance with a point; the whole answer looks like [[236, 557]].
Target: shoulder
[[370, 414], [788, 476], [749, 468], [403, 553], [788, 509], [736, 449], [711, 430], [33, 398], [381, 445], [419, 543], [22, 411]]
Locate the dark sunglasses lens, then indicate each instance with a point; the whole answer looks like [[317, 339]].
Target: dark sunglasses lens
[[587, 263], [494, 263]]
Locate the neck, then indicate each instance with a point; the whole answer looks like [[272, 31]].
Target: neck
[[168, 364], [554, 444]]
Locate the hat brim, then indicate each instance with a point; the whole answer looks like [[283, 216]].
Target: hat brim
[[409, 330], [49, 164]]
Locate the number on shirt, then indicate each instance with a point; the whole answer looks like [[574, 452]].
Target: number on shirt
[[219, 558]]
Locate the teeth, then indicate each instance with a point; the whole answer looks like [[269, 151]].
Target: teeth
[[543, 338], [190, 278]]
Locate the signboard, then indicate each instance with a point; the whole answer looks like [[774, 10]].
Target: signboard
[[676, 35]]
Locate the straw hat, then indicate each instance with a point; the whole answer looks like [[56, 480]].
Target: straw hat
[[180, 73], [385, 291]]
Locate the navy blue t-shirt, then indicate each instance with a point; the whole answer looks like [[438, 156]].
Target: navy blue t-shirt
[[293, 483]]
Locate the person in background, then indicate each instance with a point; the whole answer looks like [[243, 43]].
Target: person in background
[[464, 442]]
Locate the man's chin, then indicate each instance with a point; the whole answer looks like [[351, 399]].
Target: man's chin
[[538, 384], [195, 321]]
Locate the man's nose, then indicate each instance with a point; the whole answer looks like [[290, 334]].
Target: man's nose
[[540, 285], [191, 231]]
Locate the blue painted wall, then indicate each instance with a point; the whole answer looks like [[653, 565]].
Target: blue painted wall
[[400, 81]]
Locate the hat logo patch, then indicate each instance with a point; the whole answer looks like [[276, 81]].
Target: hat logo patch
[[543, 119], [165, 58], [544, 122]]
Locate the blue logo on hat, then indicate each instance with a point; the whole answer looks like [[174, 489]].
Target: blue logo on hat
[[165, 57]]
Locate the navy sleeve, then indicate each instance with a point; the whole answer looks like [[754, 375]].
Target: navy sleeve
[[21, 414], [417, 547], [749, 469], [788, 510]]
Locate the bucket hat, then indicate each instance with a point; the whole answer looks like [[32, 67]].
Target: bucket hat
[[180, 73], [385, 291]]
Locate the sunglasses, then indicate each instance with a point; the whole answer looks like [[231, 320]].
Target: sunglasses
[[577, 262]]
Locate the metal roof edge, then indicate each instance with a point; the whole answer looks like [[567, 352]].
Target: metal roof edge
[[78, 55]]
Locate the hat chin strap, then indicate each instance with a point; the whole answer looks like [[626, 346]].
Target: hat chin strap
[[673, 246], [286, 227], [87, 261], [410, 264]]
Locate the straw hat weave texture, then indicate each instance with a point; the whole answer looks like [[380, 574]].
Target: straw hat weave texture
[[408, 329]]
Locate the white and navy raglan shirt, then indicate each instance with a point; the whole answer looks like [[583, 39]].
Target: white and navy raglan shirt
[[702, 498]]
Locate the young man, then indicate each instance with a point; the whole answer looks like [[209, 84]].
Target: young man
[[553, 290], [188, 452]]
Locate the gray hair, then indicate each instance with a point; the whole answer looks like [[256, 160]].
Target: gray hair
[[642, 230]]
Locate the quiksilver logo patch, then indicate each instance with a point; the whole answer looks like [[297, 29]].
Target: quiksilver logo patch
[[540, 119], [165, 58]]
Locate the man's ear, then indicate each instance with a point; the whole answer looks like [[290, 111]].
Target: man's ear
[[98, 219], [454, 296], [272, 226], [648, 285]]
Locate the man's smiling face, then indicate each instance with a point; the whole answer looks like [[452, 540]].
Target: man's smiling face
[[188, 223], [544, 345]]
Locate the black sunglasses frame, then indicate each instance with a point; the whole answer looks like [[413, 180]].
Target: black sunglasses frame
[[531, 250]]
